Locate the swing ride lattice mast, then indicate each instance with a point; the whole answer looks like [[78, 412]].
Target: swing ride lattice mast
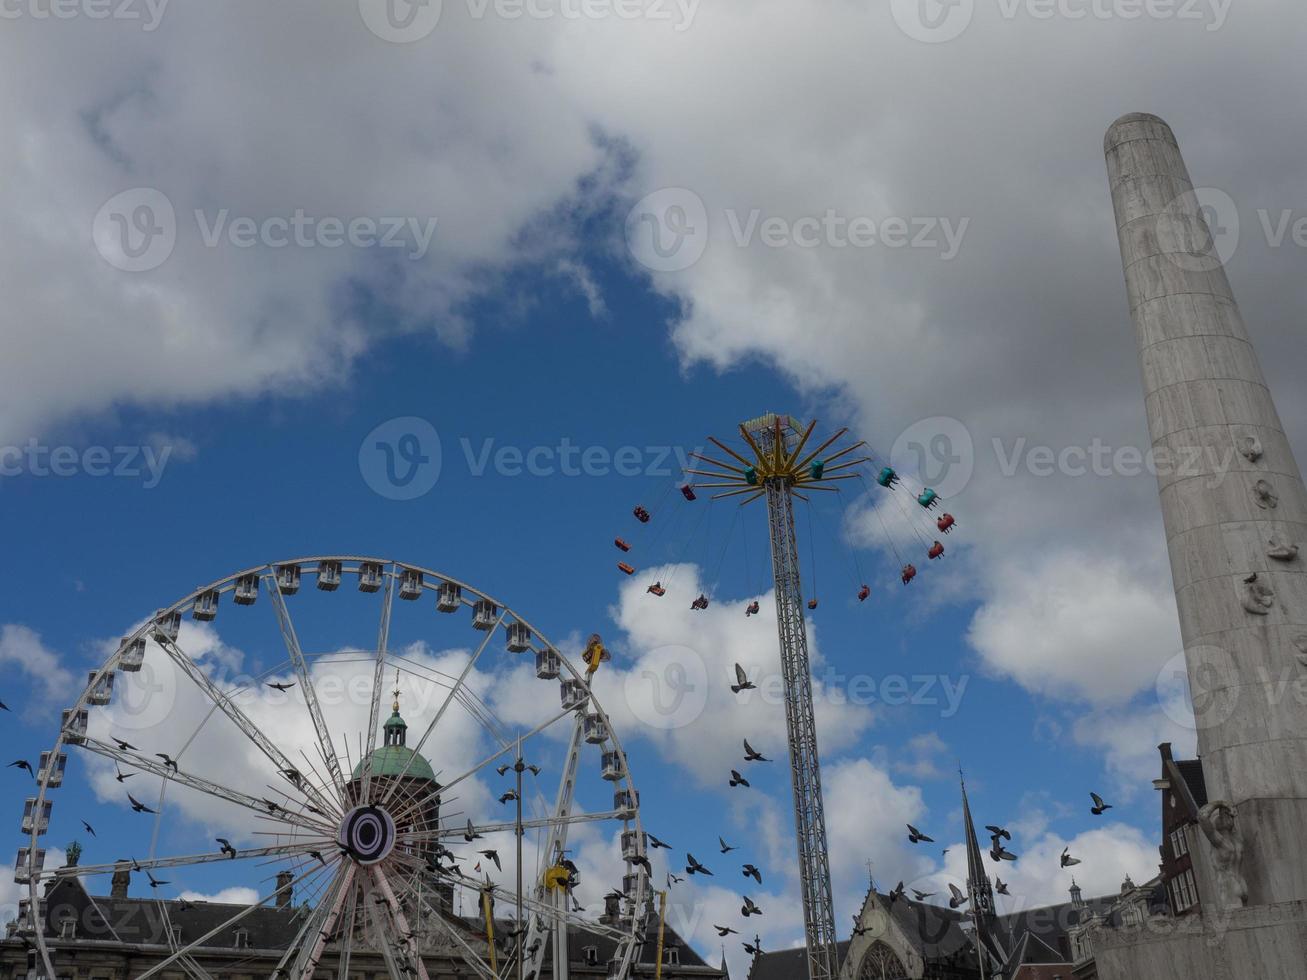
[[773, 465]]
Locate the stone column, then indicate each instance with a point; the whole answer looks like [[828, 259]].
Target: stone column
[[1233, 504]]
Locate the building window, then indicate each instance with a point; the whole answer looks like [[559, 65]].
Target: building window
[[591, 955], [880, 963], [1179, 842], [242, 939], [68, 929], [1184, 894], [672, 956]]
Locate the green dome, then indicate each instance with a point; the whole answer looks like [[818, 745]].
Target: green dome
[[392, 760]]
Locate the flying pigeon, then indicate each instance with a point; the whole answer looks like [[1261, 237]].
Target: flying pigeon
[[1000, 886], [655, 843], [726, 848], [281, 687], [1099, 807], [724, 930], [22, 764], [753, 755], [673, 879], [3, 706], [317, 856], [958, 899], [915, 836], [1067, 860], [154, 882], [751, 872], [168, 761], [138, 806], [897, 893], [640, 861], [737, 779], [89, 829], [493, 855], [693, 867], [998, 832], [753, 949], [123, 777], [922, 896], [125, 746], [748, 908], [742, 682], [1000, 853], [226, 847], [470, 834], [508, 797]]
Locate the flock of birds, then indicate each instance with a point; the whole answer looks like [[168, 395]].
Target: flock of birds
[[999, 837]]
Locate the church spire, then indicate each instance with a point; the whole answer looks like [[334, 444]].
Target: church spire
[[979, 888]]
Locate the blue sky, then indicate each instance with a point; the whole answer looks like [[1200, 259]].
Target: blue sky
[[765, 141], [276, 477]]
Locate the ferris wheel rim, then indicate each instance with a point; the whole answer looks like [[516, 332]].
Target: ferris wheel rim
[[429, 580]]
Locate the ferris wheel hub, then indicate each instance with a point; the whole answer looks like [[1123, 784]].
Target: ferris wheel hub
[[367, 834]]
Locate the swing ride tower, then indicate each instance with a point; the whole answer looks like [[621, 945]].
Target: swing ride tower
[[775, 463]]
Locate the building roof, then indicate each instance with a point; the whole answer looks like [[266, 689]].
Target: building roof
[[1192, 772], [787, 964], [393, 760]]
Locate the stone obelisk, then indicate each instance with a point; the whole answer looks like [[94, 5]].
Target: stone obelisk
[[1235, 512]]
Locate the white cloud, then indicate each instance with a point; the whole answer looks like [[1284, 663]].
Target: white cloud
[[227, 896], [22, 650], [1076, 627], [673, 685]]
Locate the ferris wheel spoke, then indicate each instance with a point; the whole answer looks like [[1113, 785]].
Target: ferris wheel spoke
[[347, 947], [407, 939], [444, 790], [332, 905], [470, 955], [449, 833], [242, 721], [181, 861], [292, 642], [440, 712], [206, 786], [201, 940], [374, 714]]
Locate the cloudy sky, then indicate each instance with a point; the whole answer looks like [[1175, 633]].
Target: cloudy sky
[[239, 238]]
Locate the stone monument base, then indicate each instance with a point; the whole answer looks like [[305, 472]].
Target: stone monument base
[[1263, 942]]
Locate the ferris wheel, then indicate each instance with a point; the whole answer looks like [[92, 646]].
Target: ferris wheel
[[269, 743]]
